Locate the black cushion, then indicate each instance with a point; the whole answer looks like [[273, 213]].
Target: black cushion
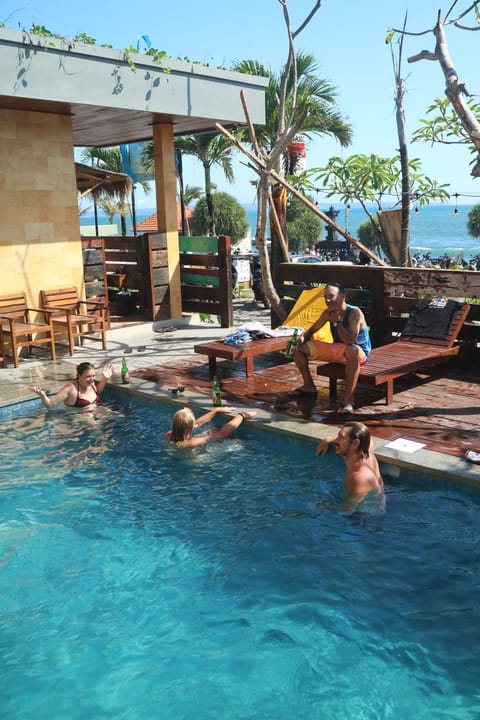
[[431, 319]]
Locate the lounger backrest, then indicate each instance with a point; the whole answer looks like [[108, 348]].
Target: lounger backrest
[[436, 321]]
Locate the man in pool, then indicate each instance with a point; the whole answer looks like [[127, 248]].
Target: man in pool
[[184, 423], [353, 443], [83, 392], [351, 344]]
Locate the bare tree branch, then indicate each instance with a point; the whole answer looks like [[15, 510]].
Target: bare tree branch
[[312, 12], [454, 90]]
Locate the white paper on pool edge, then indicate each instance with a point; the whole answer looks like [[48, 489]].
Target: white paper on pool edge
[[407, 446]]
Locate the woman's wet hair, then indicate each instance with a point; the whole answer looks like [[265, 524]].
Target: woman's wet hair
[[359, 431], [183, 423], [83, 367]]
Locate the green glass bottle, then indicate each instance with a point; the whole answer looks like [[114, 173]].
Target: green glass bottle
[[125, 373], [292, 345], [216, 393]]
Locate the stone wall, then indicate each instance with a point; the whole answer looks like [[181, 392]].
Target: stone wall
[[40, 244]]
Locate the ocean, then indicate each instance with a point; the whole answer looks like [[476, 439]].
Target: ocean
[[435, 229]]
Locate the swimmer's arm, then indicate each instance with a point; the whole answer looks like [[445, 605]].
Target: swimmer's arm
[[323, 445], [49, 402], [221, 433], [107, 373], [211, 414]]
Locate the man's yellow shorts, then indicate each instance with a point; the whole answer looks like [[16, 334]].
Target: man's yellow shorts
[[330, 352]]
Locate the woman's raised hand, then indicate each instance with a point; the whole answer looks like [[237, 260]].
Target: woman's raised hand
[[107, 371]]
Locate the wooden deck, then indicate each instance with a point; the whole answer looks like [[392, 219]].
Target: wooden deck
[[439, 406]]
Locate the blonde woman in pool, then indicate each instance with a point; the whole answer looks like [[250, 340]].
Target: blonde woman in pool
[[184, 423]]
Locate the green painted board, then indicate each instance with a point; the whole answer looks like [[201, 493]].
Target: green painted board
[[199, 244]]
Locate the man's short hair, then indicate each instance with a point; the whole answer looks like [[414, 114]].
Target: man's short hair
[[336, 285]]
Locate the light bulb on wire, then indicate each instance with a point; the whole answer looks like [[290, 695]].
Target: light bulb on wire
[[455, 212]]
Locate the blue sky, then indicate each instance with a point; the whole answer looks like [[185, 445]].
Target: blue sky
[[347, 38]]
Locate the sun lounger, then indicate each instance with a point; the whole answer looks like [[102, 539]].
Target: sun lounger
[[414, 351]]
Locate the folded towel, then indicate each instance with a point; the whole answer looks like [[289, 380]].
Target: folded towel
[[237, 338]]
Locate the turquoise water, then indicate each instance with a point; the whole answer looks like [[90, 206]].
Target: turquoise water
[[139, 581]]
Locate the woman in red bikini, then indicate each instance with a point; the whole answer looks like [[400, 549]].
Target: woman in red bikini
[[83, 392]]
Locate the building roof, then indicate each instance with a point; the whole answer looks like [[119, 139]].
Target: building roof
[[150, 224], [109, 103]]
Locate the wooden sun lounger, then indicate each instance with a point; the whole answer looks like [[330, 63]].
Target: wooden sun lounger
[[246, 351], [409, 354]]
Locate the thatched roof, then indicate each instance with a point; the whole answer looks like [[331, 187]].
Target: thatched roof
[[101, 183]]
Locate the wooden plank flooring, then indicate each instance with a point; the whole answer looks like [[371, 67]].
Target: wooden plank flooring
[[439, 407]]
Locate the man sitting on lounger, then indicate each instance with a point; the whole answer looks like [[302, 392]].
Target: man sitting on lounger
[[351, 344]]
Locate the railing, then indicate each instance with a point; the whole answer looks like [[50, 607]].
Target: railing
[[386, 294]]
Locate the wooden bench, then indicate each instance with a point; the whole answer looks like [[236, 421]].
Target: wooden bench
[[407, 355], [80, 318], [246, 351]]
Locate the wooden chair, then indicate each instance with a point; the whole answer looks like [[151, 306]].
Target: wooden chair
[[80, 318], [17, 326], [412, 352]]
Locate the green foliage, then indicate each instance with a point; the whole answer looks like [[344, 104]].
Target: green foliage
[[315, 99], [41, 30], [303, 227], [370, 235], [473, 223], [444, 126], [84, 38], [373, 179], [229, 216]]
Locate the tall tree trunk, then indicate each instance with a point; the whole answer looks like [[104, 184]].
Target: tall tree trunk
[[261, 239], [209, 198]]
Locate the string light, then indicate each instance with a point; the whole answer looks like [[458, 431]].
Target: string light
[[474, 196], [417, 211], [455, 212]]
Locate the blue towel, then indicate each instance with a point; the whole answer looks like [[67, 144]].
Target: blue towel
[[237, 338]]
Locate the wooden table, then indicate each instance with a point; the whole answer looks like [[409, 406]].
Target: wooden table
[[246, 351]]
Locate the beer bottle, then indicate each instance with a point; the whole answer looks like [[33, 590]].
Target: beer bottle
[[216, 394], [292, 345], [125, 373]]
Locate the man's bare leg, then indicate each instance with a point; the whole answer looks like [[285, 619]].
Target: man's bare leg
[[352, 371], [301, 361]]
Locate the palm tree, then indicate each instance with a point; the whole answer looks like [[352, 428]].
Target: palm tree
[[211, 149], [312, 96], [110, 158], [111, 208], [297, 101]]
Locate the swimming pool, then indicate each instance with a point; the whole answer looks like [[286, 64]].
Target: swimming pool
[[139, 581]]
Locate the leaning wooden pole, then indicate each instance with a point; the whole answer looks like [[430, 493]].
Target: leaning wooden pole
[[262, 168]]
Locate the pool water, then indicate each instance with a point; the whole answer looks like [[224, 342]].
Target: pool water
[[142, 581]]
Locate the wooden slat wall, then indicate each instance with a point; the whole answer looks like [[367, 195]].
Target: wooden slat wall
[[206, 275], [93, 253], [387, 294]]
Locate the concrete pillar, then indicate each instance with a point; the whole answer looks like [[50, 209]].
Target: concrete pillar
[[166, 191]]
